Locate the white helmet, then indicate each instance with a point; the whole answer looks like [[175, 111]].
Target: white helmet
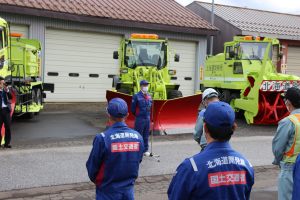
[[209, 93]]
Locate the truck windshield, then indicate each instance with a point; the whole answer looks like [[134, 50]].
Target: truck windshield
[[139, 53], [252, 50]]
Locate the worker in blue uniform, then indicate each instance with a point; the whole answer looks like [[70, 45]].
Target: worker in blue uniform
[[218, 172], [141, 109], [296, 180], [113, 163]]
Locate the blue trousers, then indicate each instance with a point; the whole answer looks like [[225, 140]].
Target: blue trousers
[[285, 181], [120, 195], [142, 125]]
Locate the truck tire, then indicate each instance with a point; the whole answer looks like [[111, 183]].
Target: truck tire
[[226, 96], [173, 94], [29, 115], [33, 96], [123, 90], [39, 96], [38, 99]]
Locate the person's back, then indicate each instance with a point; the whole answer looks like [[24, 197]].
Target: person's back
[[218, 172], [122, 158], [113, 163]]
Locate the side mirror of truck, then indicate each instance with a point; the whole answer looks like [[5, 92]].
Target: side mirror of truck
[[231, 54], [116, 55], [176, 57]]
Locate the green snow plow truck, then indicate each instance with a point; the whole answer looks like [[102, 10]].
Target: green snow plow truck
[[246, 76], [20, 66], [146, 57]]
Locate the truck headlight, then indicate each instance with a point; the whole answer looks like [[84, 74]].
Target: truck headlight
[[123, 71], [172, 72]]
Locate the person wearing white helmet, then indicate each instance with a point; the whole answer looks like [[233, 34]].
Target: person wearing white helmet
[[209, 95]]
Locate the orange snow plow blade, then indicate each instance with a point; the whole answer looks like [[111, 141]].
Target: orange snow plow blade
[[169, 116], [13, 103]]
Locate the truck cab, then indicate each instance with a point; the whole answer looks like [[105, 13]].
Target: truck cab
[[5, 70], [145, 56]]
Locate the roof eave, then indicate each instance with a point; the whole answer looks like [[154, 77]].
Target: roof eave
[[104, 21], [271, 35]]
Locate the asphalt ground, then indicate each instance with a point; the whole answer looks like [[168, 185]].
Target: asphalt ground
[[50, 151], [61, 124], [146, 188]]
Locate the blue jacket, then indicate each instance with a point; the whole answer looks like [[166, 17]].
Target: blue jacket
[[113, 163], [143, 102], [296, 190], [218, 172]]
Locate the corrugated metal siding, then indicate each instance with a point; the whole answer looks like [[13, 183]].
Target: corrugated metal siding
[[226, 30], [20, 28]]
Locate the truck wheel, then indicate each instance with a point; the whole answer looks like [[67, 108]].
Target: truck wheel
[[33, 96], [123, 90], [39, 97], [226, 96], [29, 115], [173, 94]]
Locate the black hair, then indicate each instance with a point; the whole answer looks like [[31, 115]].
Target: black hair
[[293, 95], [221, 134], [296, 104], [1, 78]]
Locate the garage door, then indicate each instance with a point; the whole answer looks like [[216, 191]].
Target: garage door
[[293, 61], [79, 64], [186, 66], [18, 28]]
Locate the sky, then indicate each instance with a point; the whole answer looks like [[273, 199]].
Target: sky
[[289, 6]]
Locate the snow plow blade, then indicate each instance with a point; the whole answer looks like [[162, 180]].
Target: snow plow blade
[[171, 116]]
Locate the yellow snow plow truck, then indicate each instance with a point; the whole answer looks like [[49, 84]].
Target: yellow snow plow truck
[[246, 77]]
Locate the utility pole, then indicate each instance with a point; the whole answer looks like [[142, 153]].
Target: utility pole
[[212, 22]]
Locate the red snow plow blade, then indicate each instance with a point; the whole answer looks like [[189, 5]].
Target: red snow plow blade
[[13, 103], [169, 116]]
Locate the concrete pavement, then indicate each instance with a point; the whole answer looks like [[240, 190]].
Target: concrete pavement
[[146, 188], [66, 165]]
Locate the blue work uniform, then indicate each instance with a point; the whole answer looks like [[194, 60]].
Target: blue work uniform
[[113, 164], [218, 172], [296, 175], [141, 108]]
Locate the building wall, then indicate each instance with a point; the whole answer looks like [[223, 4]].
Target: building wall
[[226, 30], [38, 26]]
